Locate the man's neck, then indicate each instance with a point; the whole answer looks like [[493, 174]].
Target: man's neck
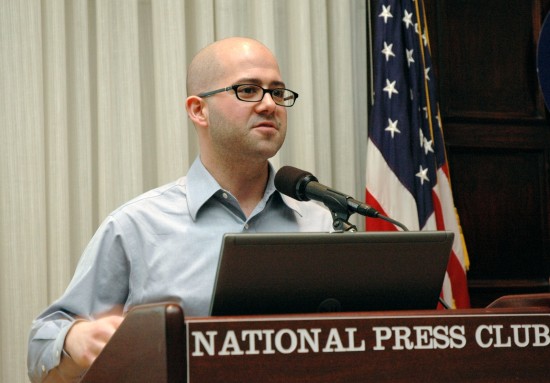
[[246, 181]]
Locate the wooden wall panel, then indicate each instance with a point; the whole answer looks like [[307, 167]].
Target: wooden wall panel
[[491, 71], [497, 225], [498, 139]]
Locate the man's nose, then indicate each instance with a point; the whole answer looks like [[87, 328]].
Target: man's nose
[[267, 103]]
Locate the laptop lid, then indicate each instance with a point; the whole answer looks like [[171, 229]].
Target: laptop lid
[[283, 273]]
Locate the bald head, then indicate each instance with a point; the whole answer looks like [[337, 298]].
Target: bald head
[[213, 62]]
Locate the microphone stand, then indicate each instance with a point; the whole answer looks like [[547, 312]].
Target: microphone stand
[[338, 206], [340, 223]]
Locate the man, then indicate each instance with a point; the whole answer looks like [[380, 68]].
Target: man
[[164, 245]]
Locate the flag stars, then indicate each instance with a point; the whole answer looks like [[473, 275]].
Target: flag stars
[[388, 51], [426, 73], [408, 19], [390, 88], [428, 146], [425, 144], [386, 13], [410, 58], [392, 127], [423, 175]]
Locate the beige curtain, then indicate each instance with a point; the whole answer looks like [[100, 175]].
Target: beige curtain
[[92, 113]]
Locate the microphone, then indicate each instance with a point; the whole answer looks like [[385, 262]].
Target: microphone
[[303, 186]]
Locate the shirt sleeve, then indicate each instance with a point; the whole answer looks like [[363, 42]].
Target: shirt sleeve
[[99, 285], [48, 337]]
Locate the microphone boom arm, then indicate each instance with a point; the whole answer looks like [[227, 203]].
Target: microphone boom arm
[[337, 203], [342, 206]]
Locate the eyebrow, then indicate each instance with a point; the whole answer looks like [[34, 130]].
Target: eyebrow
[[255, 81]]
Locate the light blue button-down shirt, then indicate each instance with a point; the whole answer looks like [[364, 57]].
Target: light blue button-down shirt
[[162, 246]]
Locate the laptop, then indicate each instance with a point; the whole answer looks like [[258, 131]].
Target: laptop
[[285, 273]]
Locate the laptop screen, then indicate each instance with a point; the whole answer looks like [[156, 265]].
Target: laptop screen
[[284, 273]]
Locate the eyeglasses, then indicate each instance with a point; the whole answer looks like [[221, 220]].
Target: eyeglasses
[[255, 93]]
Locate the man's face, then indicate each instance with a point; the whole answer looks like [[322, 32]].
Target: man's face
[[250, 130]]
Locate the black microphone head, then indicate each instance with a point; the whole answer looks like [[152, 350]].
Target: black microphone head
[[292, 182]]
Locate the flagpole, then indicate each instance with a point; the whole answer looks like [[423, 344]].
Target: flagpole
[[370, 55]]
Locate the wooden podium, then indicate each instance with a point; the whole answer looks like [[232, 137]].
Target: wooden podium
[[508, 341]]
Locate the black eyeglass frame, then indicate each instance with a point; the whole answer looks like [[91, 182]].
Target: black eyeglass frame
[[236, 86]]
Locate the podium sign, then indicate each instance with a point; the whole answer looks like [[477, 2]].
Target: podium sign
[[507, 342], [468, 345]]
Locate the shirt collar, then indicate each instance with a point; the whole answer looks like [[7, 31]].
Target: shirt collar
[[201, 186]]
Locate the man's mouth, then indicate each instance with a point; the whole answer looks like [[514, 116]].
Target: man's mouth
[[266, 127], [267, 124]]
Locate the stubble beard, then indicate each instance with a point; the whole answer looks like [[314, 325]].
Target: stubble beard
[[243, 143]]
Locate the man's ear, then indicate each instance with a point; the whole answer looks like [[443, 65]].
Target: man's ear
[[197, 110]]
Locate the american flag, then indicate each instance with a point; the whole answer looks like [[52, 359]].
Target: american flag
[[407, 173]]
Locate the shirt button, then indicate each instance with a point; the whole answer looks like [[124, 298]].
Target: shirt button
[[43, 368], [57, 354], [246, 226], [224, 195]]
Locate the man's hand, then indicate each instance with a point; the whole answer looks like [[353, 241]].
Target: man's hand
[[86, 339]]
